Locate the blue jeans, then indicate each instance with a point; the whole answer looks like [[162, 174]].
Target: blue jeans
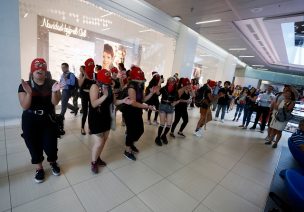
[[65, 96], [223, 108], [247, 115], [239, 110]]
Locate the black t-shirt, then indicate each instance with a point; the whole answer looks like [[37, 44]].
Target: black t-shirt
[[116, 84], [41, 95], [87, 83], [166, 96], [249, 102], [224, 100]]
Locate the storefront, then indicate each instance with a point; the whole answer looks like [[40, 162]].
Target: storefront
[[72, 31]]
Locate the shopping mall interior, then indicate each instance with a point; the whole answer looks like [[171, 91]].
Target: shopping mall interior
[[226, 168]]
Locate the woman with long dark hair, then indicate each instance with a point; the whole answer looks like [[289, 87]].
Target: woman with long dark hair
[[38, 98], [85, 82], [240, 104], [155, 81], [249, 107], [184, 93]]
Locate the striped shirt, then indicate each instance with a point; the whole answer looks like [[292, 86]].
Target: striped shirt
[[298, 138]]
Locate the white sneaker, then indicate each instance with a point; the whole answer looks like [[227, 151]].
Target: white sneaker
[[155, 123], [198, 134], [222, 121], [215, 119], [149, 122]]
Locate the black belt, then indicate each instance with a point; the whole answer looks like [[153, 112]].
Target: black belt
[[165, 103], [37, 112]]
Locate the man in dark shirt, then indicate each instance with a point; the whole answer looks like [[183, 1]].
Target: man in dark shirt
[[223, 101]]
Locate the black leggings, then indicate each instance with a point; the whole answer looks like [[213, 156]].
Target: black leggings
[[156, 104], [40, 135], [180, 112], [134, 124], [85, 102]]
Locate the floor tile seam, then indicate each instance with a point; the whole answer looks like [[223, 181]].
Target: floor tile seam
[[40, 197], [8, 177], [76, 194], [240, 196]]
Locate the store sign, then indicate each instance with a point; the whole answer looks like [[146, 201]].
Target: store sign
[[65, 28]]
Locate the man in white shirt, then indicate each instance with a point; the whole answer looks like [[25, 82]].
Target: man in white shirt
[[264, 103]]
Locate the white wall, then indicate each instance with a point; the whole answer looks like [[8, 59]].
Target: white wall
[[9, 59], [245, 81], [28, 43]]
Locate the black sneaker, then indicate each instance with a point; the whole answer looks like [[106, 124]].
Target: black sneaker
[[39, 177], [268, 143], [252, 128], [164, 139], [181, 134], [134, 149], [55, 169], [172, 135], [94, 167], [101, 162], [76, 111], [130, 156], [158, 141]]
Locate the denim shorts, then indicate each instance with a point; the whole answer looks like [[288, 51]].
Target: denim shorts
[[166, 108]]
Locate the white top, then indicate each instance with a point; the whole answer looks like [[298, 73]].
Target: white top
[[265, 99]]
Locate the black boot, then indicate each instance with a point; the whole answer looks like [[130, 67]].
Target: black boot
[[158, 141]]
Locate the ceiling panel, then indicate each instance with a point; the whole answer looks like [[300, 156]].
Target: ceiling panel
[[225, 34]]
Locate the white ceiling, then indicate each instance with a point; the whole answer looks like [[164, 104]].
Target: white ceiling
[[226, 34]]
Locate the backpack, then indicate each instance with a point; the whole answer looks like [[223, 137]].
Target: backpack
[[282, 115], [76, 85], [200, 96]]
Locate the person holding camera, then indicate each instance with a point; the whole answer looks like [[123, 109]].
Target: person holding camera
[[38, 98]]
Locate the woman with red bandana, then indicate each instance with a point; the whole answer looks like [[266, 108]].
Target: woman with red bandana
[[184, 93], [85, 82], [132, 113], [166, 109], [101, 100], [38, 98]]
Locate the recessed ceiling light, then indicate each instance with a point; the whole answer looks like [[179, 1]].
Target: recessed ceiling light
[[246, 56], [146, 30], [177, 18], [25, 15], [209, 21], [205, 55], [258, 65], [237, 49], [106, 29]]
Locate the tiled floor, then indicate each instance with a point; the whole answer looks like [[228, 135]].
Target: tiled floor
[[228, 169]]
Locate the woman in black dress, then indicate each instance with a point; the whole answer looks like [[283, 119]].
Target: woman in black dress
[[132, 114], [185, 93], [101, 100], [38, 98]]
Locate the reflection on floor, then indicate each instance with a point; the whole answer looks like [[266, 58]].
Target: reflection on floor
[[228, 169]]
